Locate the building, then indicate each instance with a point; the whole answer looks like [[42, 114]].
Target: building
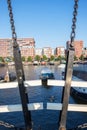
[[26, 45], [85, 52], [60, 51], [5, 45], [78, 45], [47, 51], [38, 51], [53, 51]]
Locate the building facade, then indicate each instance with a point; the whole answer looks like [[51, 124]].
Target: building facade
[[85, 52], [26, 45], [78, 45], [47, 51], [5, 46], [38, 51], [60, 51]]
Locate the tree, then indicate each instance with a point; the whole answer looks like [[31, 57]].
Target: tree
[[51, 58], [1, 59], [44, 57], [59, 58], [23, 58], [81, 57], [75, 58], [29, 59], [37, 58]]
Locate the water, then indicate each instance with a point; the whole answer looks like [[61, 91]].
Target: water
[[80, 67], [47, 119]]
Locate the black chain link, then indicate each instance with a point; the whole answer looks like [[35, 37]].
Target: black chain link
[[74, 23], [14, 36]]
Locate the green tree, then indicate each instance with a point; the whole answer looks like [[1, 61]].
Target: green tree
[[75, 58], [29, 59], [1, 59], [44, 57], [81, 57], [37, 58], [23, 58], [59, 58], [52, 58]]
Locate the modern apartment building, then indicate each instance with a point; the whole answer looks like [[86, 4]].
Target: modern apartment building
[[60, 51], [78, 45], [27, 47], [38, 51], [47, 51], [5, 46]]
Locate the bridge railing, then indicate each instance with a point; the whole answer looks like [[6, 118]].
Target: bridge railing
[[39, 106]]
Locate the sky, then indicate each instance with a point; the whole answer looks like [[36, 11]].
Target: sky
[[47, 21]]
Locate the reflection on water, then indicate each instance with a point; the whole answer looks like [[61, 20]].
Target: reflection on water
[[46, 119]]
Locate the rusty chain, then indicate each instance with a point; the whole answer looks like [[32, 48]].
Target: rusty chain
[[14, 35], [72, 36]]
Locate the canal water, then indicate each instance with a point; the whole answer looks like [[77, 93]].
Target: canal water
[[44, 119]]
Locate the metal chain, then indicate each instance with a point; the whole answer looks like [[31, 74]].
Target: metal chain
[[74, 23], [14, 36], [83, 126], [7, 125], [80, 127]]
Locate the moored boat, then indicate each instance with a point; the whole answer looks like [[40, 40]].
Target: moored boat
[[46, 73], [79, 93]]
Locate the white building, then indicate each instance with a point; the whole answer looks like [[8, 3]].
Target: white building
[[38, 51]]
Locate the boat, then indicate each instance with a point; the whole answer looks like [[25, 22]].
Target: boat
[[35, 63], [80, 94], [8, 77], [51, 63], [43, 63], [46, 73], [61, 66]]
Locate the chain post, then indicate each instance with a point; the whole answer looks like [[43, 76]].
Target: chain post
[[19, 71], [68, 72]]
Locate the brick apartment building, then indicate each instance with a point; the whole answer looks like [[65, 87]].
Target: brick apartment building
[[78, 45], [60, 51], [4, 47], [47, 51], [27, 47]]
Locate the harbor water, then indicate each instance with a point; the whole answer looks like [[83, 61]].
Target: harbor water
[[41, 119]]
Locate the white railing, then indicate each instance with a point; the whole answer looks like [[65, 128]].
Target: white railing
[[39, 106], [32, 83]]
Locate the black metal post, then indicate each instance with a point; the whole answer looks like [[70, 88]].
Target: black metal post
[[44, 82], [66, 94], [19, 72], [22, 89]]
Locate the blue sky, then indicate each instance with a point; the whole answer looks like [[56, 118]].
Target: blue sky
[[47, 21]]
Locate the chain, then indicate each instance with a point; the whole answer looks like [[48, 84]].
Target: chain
[[14, 36], [74, 23], [80, 127], [7, 125], [83, 125]]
